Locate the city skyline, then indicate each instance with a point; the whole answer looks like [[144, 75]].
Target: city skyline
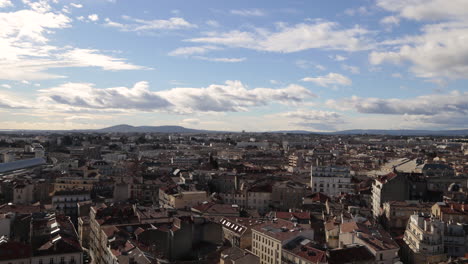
[[232, 66]]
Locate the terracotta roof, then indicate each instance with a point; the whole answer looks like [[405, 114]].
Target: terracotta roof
[[14, 250], [305, 249], [387, 177], [376, 238], [289, 215], [20, 209], [318, 197]]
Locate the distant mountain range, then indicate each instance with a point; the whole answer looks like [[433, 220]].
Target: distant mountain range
[[404, 132], [149, 129], [179, 129]]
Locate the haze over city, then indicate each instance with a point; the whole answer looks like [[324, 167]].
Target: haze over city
[[234, 65]]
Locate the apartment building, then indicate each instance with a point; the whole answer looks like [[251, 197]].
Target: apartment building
[[269, 237], [390, 187], [331, 180], [376, 240], [396, 213]]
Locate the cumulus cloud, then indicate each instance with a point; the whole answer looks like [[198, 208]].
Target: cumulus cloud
[[455, 102], [287, 39], [5, 3], [232, 96], [26, 52], [141, 25], [440, 51], [426, 9], [433, 109], [10, 102], [84, 95], [93, 17], [329, 79]]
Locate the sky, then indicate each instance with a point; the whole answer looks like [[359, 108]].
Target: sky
[[263, 65]]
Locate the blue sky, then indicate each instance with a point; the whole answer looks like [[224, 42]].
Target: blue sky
[[234, 65]]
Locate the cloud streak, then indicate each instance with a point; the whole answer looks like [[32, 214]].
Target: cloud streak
[[233, 96], [288, 39]]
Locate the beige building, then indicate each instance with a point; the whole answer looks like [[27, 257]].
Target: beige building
[[377, 241], [69, 183], [238, 231], [269, 237], [424, 239], [397, 213], [332, 233], [447, 211], [173, 198]]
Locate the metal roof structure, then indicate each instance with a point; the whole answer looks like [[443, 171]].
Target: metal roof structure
[[21, 164]]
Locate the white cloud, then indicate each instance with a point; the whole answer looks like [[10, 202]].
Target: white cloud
[[338, 58], [92, 58], [351, 69], [93, 17], [248, 12], [11, 102], [24, 25], [6, 86], [194, 52], [287, 39], [5, 3], [233, 96], [433, 109], [329, 79], [362, 10], [84, 95], [190, 122], [440, 51], [433, 104], [184, 51], [25, 52], [317, 119], [390, 20], [305, 64], [213, 23], [141, 25], [218, 59], [427, 9], [76, 5]]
